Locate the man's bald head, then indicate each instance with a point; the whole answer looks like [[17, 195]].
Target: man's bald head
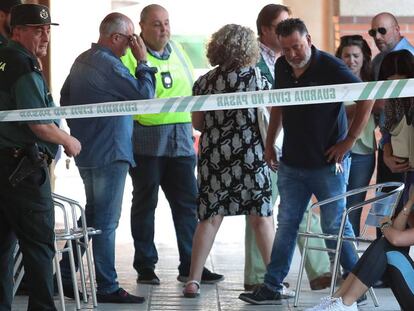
[[149, 9], [385, 22], [155, 27]]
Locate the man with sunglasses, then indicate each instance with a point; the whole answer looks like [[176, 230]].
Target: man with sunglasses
[[386, 33], [97, 76], [387, 37]]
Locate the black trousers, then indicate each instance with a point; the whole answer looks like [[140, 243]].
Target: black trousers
[[27, 212], [383, 259]]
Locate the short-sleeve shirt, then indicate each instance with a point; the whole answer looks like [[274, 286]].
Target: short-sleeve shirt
[[22, 86], [310, 130]]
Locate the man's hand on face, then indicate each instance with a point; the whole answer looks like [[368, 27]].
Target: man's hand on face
[[138, 48]]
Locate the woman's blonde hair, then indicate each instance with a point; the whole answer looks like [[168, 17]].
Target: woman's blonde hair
[[233, 46]]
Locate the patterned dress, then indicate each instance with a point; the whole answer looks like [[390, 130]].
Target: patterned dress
[[233, 178]]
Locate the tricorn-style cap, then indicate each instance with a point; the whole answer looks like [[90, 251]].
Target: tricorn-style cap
[[6, 5], [30, 15]]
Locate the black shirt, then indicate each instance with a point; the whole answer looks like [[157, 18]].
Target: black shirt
[[309, 130]]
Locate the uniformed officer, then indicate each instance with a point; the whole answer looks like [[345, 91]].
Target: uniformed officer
[[5, 7], [26, 207]]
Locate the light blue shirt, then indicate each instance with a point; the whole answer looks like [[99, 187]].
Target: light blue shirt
[[98, 76], [402, 45]]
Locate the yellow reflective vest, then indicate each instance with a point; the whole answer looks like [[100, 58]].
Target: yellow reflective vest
[[174, 78]]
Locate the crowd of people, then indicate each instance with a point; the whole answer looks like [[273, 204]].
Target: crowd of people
[[327, 149]]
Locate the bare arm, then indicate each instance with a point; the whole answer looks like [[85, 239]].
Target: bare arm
[[362, 112], [51, 133], [350, 112], [275, 125], [395, 164], [397, 234], [197, 119], [379, 105]]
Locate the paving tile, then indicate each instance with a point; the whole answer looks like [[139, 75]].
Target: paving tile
[[227, 257]]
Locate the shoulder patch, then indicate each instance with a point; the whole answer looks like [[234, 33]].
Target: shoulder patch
[[13, 65]]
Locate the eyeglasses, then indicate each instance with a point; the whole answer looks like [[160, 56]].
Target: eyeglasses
[[129, 38], [373, 32]]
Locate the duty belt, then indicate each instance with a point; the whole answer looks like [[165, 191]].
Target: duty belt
[[18, 153]]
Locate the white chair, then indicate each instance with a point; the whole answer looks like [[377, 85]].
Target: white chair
[[375, 213]]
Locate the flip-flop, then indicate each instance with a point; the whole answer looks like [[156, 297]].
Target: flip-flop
[[192, 294]]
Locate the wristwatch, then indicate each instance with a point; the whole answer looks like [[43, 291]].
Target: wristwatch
[[143, 62]]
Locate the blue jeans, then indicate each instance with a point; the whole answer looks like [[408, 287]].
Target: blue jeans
[[177, 180], [360, 173], [104, 189], [296, 186]]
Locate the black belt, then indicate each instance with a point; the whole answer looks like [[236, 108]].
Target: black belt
[[12, 152], [18, 153]]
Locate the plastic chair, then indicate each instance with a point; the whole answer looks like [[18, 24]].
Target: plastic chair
[[80, 234], [376, 212]]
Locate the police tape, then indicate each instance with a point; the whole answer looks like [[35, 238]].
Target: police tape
[[280, 97]]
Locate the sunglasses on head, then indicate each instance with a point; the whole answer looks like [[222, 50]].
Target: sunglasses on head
[[351, 38], [373, 32]]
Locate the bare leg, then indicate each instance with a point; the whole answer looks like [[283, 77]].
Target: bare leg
[[351, 290], [264, 229], [202, 242]]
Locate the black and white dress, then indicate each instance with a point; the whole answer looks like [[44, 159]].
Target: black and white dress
[[233, 178]]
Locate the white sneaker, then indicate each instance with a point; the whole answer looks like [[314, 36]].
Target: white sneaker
[[287, 293], [325, 301], [338, 305]]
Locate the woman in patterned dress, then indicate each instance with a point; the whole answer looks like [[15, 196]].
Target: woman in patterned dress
[[233, 178]]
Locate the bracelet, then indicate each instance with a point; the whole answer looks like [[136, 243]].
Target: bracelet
[[385, 225]]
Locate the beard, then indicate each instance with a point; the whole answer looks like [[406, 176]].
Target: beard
[[304, 62]]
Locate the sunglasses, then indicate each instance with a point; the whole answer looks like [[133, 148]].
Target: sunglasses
[[373, 32], [351, 38]]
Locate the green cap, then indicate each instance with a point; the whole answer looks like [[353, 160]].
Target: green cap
[[30, 15], [6, 5]]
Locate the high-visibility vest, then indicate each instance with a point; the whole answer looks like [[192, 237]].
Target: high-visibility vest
[[177, 70]]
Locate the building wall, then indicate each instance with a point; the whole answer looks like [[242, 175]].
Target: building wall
[[326, 20], [355, 18], [318, 17]]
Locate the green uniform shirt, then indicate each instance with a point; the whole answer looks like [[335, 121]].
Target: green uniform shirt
[[3, 40], [22, 86]]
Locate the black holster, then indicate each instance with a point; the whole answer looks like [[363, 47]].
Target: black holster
[[31, 160]]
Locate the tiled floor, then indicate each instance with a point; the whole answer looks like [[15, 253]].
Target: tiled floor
[[227, 257]]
